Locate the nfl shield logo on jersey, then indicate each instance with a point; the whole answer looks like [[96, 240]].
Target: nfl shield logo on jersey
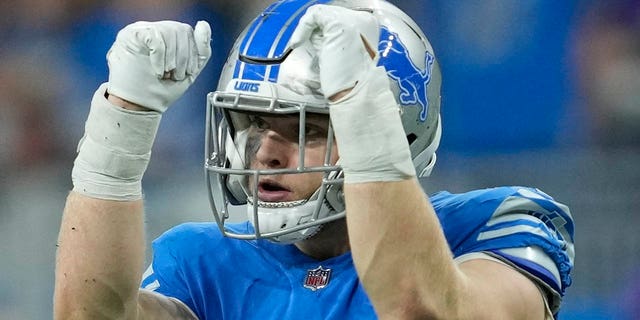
[[317, 278]]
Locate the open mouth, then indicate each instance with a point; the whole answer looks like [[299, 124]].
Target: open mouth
[[271, 186], [271, 191]]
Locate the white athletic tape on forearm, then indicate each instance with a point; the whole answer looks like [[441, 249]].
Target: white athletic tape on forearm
[[369, 133], [114, 151]]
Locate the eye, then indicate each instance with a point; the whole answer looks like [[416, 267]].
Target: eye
[[315, 134], [312, 131], [258, 122]]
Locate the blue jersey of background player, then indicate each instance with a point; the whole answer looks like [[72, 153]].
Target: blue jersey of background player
[[326, 114]]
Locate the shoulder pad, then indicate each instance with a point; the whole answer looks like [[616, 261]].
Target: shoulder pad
[[511, 217]]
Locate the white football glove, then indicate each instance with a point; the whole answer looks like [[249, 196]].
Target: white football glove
[[153, 63], [368, 128], [339, 34], [150, 64]]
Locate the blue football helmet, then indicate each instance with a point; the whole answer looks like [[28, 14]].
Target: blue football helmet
[[263, 76]]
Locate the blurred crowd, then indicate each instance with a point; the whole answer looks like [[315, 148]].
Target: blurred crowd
[[53, 57], [520, 78]]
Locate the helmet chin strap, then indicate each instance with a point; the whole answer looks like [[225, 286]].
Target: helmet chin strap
[[276, 216]]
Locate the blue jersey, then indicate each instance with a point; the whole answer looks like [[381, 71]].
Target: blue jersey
[[225, 278]]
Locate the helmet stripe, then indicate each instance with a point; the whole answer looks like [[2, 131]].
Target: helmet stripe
[[268, 36], [249, 36]]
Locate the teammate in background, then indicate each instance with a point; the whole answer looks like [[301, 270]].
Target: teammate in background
[[326, 114]]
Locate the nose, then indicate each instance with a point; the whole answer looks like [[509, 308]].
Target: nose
[[275, 151]]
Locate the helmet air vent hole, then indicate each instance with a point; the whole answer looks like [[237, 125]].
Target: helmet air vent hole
[[411, 138]]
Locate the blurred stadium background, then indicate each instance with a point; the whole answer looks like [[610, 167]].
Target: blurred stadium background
[[538, 93]]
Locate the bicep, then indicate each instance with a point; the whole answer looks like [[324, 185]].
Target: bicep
[[153, 305], [498, 291]]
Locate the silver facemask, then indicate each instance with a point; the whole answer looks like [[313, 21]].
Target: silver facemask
[[263, 77]]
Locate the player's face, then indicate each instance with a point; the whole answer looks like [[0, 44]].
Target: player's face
[[273, 143]]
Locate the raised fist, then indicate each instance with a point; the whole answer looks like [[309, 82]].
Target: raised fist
[[152, 64], [345, 42]]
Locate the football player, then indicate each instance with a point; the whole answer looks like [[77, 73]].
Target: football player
[[325, 116]]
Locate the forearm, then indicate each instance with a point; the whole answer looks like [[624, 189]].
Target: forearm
[[400, 252], [100, 259], [101, 243], [100, 254]]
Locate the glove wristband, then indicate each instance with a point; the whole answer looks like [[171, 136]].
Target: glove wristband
[[114, 152], [369, 132]]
